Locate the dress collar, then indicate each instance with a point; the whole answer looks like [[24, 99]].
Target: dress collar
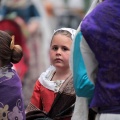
[[45, 80]]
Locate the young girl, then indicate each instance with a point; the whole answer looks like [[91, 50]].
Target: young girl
[[11, 101], [53, 91]]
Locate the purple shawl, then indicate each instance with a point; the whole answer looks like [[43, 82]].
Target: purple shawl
[[101, 29], [11, 99]]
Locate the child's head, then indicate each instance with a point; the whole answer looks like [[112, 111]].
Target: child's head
[[60, 47], [8, 51]]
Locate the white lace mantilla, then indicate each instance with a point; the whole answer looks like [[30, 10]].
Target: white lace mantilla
[[45, 80]]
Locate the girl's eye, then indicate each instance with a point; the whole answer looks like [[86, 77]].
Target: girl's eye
[[55, 48], [65, 49]]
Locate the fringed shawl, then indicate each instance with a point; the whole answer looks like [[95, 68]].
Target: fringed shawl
[[11, 98]]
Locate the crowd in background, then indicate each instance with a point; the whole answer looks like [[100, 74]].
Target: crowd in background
[[33, 22]]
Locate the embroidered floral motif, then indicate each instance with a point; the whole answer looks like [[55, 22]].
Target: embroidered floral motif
[[58, 84], [15, 114], [4, 72], [3, 112], [69, 88]]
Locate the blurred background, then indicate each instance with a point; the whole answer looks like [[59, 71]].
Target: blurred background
[[33, 23]]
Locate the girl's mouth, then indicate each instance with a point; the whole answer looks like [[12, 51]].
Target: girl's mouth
[[58, 60]]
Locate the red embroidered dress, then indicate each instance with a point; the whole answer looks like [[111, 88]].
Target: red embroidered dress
[[53, 97]]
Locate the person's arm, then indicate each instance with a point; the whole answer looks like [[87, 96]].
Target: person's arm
[[84, 76], [83, 86], [35, 101], [89, 59]]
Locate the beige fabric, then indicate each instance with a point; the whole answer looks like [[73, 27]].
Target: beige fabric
[[108, 117], [67, 86], [81, 109], [31, 107]]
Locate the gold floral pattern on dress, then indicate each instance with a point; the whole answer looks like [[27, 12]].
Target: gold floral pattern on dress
[[14, 114], [3, 112]]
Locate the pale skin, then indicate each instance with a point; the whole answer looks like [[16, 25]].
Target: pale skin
[[59, 56]]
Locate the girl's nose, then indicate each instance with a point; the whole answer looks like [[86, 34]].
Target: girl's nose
[[58, 51]]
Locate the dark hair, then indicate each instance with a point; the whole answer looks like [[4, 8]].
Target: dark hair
[[62, 32], [7, 54]]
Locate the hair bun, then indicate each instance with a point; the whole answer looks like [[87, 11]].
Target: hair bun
[[17, 54]]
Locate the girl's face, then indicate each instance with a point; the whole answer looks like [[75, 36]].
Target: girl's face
[[60, 51]]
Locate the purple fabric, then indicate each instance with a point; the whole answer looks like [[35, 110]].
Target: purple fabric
[[101, 29], [11, 99]]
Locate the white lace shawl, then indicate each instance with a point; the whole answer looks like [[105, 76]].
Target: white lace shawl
[[45, 80]]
